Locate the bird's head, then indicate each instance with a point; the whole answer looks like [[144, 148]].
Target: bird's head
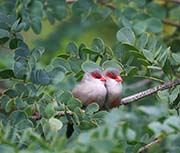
[[95, 75], [113, 75]]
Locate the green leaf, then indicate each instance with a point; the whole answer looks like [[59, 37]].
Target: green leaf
[[119, 51], [73, 103], [142, 41], [37, 53], [92, 108], [175, 13], [112, 64], [163, 95], [6, 74], [6, 148], [50, 17], [21, 89], [173, 122], [31, 89], [36, 25], [21, 51], [4, 17], [106, 145], [154, 111], [40, 77], [36, 9], [131, 70], [49, 109], [24, 124], [140, 27], [11, 93], [130, 134], [154, 67], [75, 64], [156, 10], [86, 125], [14, 25], [4, 33], [105, 12], [13, 44], [3, 101], [20, 27], [4, 36], [4, 25], [130, 47], [163, 57], [62, 9], [148, 54], [156, 127], [65, 97], [88, 66], [82, 53], [126, 35], [17, 116], [176, 57], [20, 68], [174, 95], [57, 74], [90, 51], [55, 124], [9, 105], [59, 61], [20, 104], [154, 25], [72, 49], [78, 111], [98, 45], [100, 114], [64, 56]]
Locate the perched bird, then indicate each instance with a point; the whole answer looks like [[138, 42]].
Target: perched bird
[[114, 88], [91, 88]]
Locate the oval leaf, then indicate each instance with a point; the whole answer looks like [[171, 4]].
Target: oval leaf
[[126, 35]]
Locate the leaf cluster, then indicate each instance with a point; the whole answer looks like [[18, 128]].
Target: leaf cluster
[[37, 106]]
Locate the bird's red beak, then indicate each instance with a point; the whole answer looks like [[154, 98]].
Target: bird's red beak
[[119, 79], [103, 78]]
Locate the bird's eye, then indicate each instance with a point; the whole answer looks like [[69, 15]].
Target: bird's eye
[[96, 75]]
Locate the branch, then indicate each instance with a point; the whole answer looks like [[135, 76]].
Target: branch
[[142, 149], [71, 1], [150, 91], [103, 2], [173, 1], [126, 100], [171, 23]]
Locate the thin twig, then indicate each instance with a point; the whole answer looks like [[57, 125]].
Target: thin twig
[[139, 84], [142, 149], [171, 23], [150, 91]]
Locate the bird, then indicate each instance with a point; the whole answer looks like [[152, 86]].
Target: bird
[[91, 88], [114, 88]]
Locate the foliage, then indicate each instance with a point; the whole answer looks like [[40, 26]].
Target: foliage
[[36, 94]]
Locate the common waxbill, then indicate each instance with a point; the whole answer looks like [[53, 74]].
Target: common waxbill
[[114, 88], [91, 88]]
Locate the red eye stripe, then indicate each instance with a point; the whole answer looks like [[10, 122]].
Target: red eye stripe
[[114, 76], [96, 75], [111, 75]]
